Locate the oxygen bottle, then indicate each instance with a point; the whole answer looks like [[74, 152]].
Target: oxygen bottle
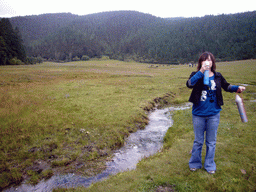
[[206, 74], [240, 106]]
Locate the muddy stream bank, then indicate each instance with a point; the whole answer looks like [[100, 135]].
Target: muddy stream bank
[[142, 143]]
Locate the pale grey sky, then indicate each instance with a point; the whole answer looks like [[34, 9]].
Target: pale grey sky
[[160, 8]]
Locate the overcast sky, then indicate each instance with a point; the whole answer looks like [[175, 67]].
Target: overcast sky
[[159, 8]]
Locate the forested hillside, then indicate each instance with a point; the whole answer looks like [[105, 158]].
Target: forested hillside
[[138, 36]]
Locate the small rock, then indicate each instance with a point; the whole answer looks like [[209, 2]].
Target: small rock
[[82, 130], [33, 149], [243, 171]]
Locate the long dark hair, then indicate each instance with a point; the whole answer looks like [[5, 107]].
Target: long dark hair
[[204, 57]]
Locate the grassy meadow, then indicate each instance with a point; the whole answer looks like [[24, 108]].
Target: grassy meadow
[[68, 117]]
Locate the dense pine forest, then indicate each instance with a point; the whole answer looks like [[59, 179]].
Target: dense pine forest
[[130, 35], [12, 50]]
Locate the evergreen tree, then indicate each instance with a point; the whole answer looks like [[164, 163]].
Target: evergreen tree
[[3, 51], [11, 43], [20, 49]]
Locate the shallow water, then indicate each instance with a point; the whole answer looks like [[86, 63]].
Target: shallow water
[[142, 143]]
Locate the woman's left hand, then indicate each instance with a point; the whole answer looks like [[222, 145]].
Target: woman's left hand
[[240, 89]]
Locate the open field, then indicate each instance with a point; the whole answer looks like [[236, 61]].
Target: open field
[[54, 115], [68, 117]]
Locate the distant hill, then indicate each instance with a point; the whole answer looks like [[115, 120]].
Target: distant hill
[[33, 28], [138, 36]]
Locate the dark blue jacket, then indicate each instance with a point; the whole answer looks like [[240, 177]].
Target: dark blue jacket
[[220, 83]]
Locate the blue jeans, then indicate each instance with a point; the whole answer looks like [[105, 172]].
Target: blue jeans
[[210, 126]]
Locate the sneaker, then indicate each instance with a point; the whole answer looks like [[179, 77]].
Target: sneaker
[[193, 169], [211, 172]]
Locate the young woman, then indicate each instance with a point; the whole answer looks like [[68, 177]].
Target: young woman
[[207, 101]]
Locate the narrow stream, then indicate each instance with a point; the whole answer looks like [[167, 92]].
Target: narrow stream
[[142, 143]]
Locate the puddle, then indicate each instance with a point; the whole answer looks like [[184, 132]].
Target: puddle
[[142, 143]]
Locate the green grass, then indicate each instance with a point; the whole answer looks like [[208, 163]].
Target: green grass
[[66, 114], [235, 153]]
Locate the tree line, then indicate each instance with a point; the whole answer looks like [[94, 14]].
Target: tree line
[[228, 37], [130, 35], [12, 50]]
